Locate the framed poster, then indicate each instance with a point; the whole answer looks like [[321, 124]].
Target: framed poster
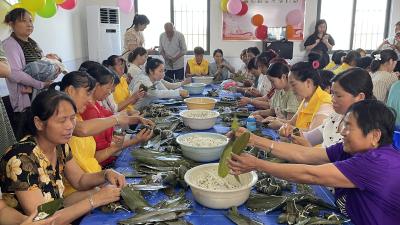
[[287, 14]]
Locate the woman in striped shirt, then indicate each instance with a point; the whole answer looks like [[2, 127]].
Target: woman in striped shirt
[[382, 67]]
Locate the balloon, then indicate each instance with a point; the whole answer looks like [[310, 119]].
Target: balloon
[[294, 17], [68, 4], [33, 5], [257, 20], [59, 2], [224, 5], [126, 6], [49, 10], [234, 6], [261, 32], [244, 10]]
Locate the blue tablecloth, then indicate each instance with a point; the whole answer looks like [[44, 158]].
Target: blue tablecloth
[[200, 215]]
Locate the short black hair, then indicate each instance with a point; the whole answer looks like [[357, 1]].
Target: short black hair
[[372, 115], [198, 50], [251, 65], [351, 56]]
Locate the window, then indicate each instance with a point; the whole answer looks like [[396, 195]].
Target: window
[[191, 18], [12, 2], [360, 23]]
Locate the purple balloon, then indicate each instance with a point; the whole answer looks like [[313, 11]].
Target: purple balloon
[[234, 6]]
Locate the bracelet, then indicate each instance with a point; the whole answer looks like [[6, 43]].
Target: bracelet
[[116, 118], [270, 148], [91, 202]]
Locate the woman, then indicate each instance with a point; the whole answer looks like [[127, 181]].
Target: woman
[[198, 65], [157, 86], [349, 61], [336, 60], [263, 91], [20, 50], [351, 86], [284, 103], [220, 68], [104, 82], [382, 67], [122, 96], [10, 216], [134, 34], [320, 40], [32, 171], [364, 169], [137, 58], [316, 105]]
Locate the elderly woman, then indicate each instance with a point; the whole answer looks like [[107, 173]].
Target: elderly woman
[[32, 171], [364, 169], [20, 50], [198, 65]]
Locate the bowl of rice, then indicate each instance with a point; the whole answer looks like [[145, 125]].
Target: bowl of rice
[[203, 79], [200, 103], [199, 119], [202, 146], [216, 192]]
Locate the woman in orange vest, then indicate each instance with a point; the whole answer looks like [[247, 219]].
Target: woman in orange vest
[[197, 66], [316, 104]]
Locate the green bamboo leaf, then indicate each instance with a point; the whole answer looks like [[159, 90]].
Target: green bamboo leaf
[[50, 208], [223, 168]]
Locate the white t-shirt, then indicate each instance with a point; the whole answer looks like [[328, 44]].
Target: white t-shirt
[[264, 85]]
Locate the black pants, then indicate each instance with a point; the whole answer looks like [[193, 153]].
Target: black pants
[[13, 116], [174, 75]]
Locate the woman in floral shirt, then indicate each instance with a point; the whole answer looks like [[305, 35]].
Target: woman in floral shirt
[[31, 172]]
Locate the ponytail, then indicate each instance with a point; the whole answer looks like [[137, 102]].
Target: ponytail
[[382, 57]]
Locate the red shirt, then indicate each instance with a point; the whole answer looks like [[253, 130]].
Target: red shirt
[[103, 139]]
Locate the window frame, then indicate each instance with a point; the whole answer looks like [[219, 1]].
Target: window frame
[[353, 17], [172, 19]]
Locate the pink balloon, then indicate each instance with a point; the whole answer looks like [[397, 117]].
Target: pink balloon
[[126, 6], [234, 6], [294, 17], [68, 4]]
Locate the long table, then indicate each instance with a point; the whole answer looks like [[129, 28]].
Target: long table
[[200, 215]]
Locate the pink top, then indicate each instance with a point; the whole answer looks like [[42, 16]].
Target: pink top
[[18, 78]]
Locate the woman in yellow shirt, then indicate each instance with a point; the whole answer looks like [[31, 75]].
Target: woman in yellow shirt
[[349, 61], [197, 66], [122, 96], [316, 104]]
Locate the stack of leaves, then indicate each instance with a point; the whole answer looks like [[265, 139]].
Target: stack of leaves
[[240, 219], [169, 211]]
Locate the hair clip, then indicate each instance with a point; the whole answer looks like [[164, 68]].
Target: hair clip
[[377, 57], [315, 64]]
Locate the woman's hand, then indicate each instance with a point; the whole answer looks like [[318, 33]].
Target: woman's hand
[[242, 130], [184, 93], [242, 163], [286, 130], [146, 122], [114, 178], [258, 117], [244, 101], [300, 140], [117, 142], [106, 195], [48, 221], [138, 95], [144, 135]]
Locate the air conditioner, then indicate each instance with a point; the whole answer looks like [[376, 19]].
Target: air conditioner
[[104, 33]]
